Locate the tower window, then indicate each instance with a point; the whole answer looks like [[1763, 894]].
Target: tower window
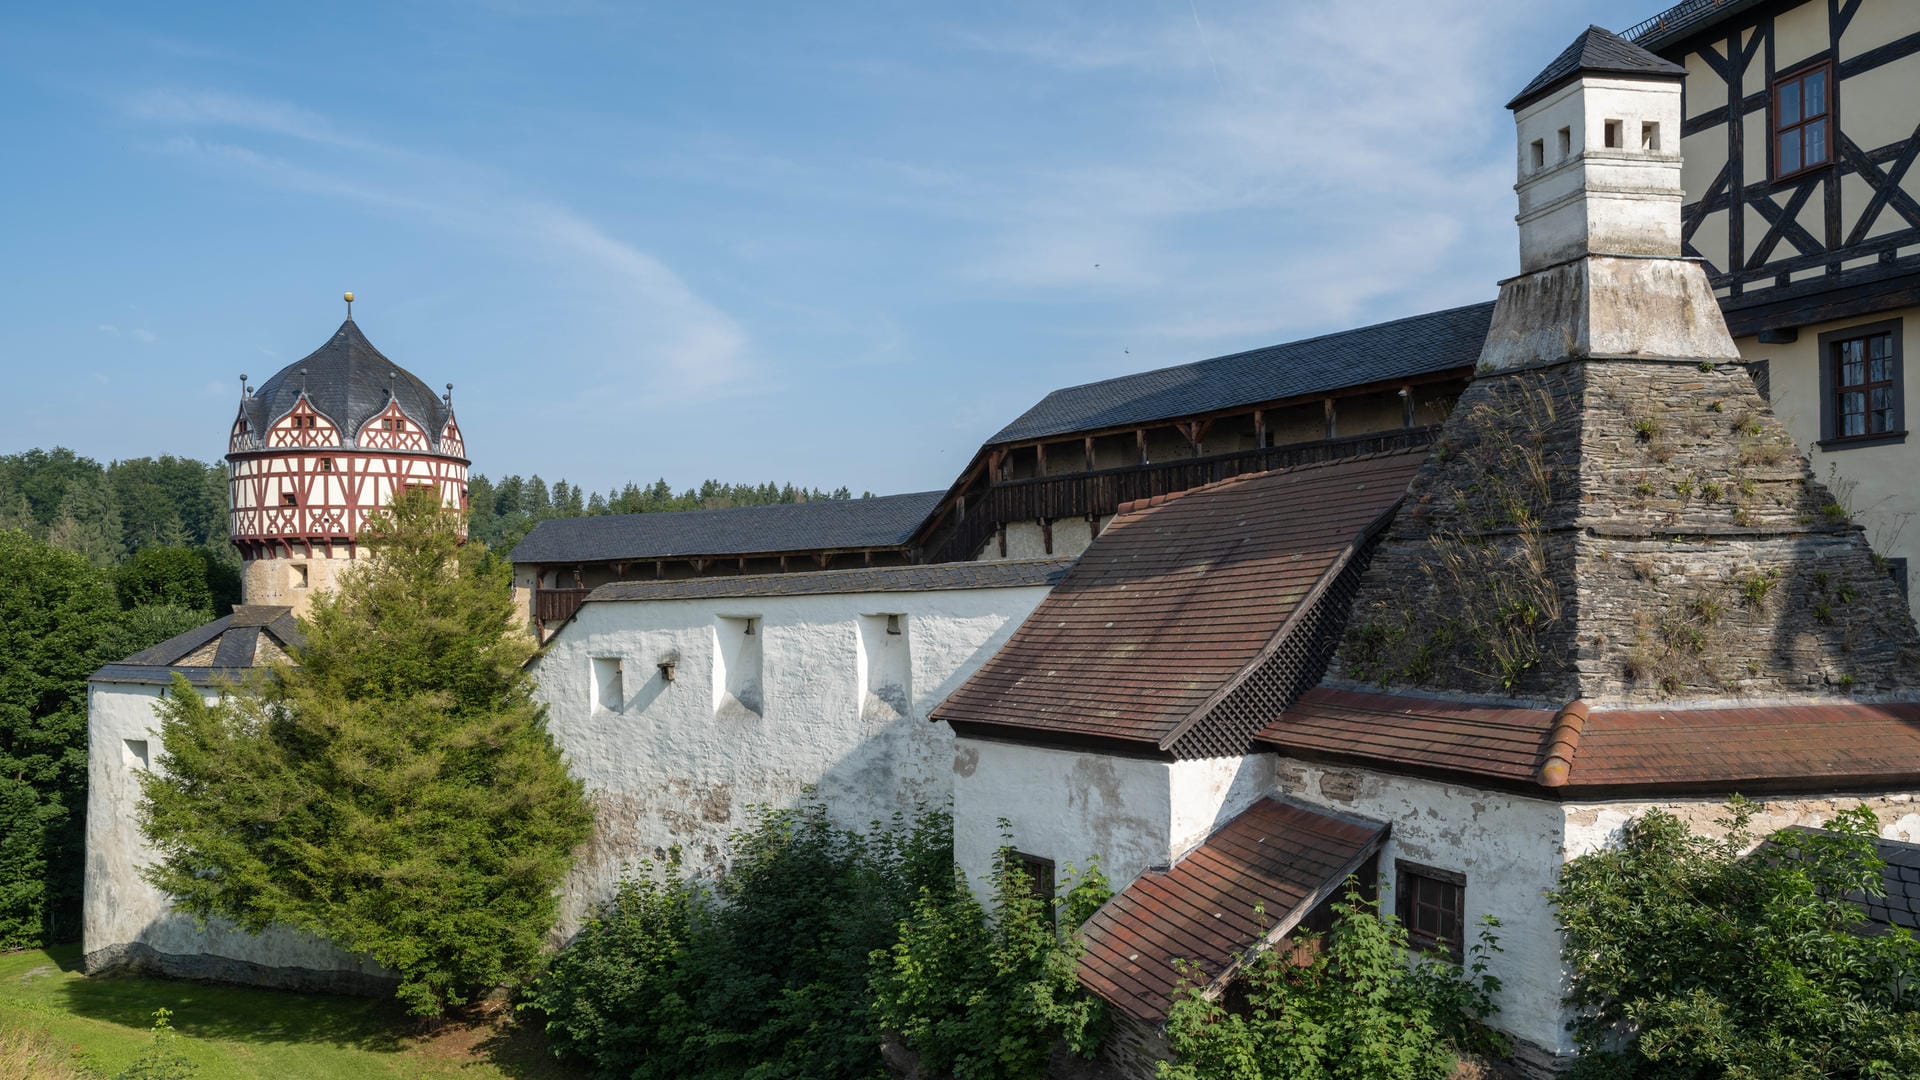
[[288, 498], [297, 575], [1539, 154], [1616, 137], [386, 425], [326, 464], [1566, 143]]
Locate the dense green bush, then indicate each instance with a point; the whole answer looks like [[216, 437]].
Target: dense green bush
[[816, 942], [1694, 960], [982, 996], [180, 577], [760, 974], [1352, 1006]]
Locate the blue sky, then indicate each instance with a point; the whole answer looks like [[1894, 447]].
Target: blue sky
[[821, 243]]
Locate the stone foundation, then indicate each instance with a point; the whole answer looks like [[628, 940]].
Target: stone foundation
[[135, 958]]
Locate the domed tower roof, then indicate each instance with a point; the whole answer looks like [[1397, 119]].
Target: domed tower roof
[[348, 381]]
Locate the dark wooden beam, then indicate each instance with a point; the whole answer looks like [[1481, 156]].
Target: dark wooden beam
[[1327, 408]]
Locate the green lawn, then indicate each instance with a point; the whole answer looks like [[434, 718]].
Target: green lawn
[[236, 1033]]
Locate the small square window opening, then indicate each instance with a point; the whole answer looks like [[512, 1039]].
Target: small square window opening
[[1039, 874], [1616, 139], [297, 574], [1566, 143], [1539, 158], [1650, 137]]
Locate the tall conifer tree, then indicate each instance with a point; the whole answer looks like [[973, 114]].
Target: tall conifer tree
[[396, 791]]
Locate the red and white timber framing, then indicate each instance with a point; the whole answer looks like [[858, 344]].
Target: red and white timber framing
[[305, 495]]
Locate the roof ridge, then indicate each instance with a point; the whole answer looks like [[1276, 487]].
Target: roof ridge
[[1328, 335]]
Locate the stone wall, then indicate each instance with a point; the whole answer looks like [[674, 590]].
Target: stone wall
[[1626, 531]]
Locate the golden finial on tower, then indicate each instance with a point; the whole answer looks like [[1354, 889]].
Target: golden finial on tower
[[348, 297]]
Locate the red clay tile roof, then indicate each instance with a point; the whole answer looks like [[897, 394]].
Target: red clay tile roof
[[1178, 602], [1244, 888], [1762, 748]]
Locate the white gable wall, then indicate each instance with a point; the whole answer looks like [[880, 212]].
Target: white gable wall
[[680, 763], [127, 922], [1130, 814]]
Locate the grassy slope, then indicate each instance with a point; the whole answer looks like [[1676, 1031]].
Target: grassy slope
[[234, 1033]]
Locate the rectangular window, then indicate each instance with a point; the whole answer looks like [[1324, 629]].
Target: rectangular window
[[609, 693], [326, 464], [1803, 118], [1038, 872], [1650, 137], [1862, 393], [288, 498], [1433, 907], [297, 575], [1566, 143], [1539, 155], [1615, 140]]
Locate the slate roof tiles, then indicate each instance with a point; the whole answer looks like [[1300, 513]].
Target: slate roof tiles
[[822, 525], [999, 574], [348, 381], [254, 635], [1417, 345], [1601, 51]]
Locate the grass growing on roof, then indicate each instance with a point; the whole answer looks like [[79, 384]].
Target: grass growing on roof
[[244, 1033]]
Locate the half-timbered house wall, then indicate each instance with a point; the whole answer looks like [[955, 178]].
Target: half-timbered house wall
[[1802, 259]]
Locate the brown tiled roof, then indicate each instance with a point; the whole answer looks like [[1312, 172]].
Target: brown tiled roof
[[1177, 603], [1755, 749], [1246, 887]]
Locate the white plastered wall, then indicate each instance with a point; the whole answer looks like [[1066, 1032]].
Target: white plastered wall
[[669, 769], [1507, 846], [1129, 814], [126, 920]]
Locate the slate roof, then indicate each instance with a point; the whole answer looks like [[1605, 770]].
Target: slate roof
[[1245, 887], [1900, 877], [1178, 603], [255, 635], [1684, 19], [1716, 750], [1600, 51], [1007, 574], [1418, 345], [823, 525], [348, 381]]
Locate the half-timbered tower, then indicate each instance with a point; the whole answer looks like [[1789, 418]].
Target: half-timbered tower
[[321, 446]]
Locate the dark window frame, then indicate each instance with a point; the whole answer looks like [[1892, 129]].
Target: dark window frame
[[1411, 907], [1831, 116], [1040, 872], [1830, 388]]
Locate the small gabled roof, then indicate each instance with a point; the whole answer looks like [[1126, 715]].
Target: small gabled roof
[[821, 525], [255, 635], [1417, 345], [1577, 752], [1900, 878], [1599, 51], [1242, 890], [1192, 618]]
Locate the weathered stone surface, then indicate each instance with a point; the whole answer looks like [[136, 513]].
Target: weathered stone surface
[[1626, 531]]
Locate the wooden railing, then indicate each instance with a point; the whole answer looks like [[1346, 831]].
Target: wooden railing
[[1101, 493], [552, 607]]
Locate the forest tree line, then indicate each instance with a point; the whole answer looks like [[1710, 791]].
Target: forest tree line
[[107, 513]]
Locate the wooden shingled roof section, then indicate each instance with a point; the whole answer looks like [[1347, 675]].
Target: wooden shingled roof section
[[1245, 888], [1754, 749], [1194, 617]]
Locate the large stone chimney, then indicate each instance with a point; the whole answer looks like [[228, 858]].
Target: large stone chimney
[[1612, 512]]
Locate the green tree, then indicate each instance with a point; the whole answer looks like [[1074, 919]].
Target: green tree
[[396, 791], [182, 577], [1692, 958], [59, 622], [1357, 1008]]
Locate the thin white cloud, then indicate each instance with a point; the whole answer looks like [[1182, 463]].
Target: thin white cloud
[[671, 329], [137, 333]]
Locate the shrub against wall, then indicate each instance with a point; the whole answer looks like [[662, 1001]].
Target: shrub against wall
[[1358, 1008], [817, 942], [1695, 959]]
